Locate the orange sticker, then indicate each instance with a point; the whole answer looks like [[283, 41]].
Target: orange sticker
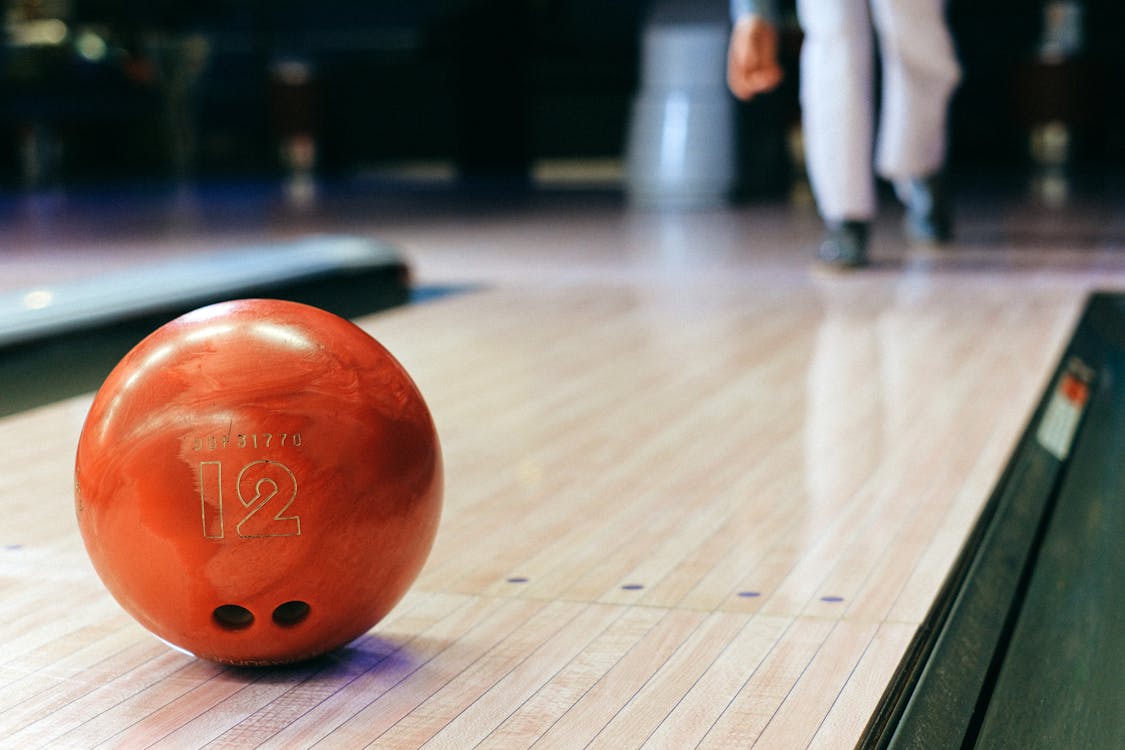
[[1074, 390]]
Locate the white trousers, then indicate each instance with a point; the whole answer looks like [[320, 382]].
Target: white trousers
[[919, 73]]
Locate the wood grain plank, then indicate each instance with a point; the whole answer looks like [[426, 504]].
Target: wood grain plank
[[486, 713], [848, 716], [767, 688], [706, 699], [577, 678], [816, 691], [596, 708]]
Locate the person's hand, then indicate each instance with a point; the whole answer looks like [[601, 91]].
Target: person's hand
[[752, 57]]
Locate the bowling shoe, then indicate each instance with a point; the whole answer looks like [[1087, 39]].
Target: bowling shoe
[[928, 217], [845, 245]]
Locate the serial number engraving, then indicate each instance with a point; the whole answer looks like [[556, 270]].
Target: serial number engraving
[[254, 440]]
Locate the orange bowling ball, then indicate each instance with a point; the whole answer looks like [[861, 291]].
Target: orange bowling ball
[[258, 482]]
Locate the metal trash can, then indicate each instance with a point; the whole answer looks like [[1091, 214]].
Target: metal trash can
[[680, 149]]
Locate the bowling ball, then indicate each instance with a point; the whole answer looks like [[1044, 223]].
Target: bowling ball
[[258, 482]]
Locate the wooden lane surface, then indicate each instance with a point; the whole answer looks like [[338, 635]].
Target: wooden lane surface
[[683, 510]]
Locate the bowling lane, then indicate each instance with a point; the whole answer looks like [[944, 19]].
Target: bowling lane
[[698, 492], [60, 337]]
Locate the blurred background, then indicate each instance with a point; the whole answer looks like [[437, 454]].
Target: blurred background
[[167, 91]]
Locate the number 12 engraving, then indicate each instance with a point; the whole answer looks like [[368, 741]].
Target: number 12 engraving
[[266, 490]]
